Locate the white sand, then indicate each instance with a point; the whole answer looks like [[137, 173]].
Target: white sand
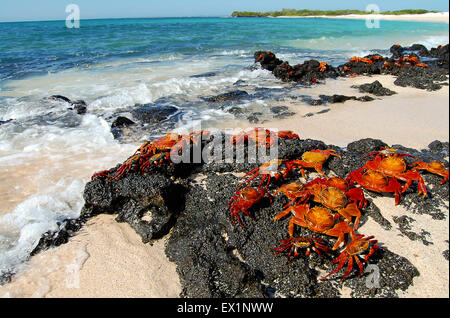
[[433, 281], [425, 17], [107, 259], [412, 118]]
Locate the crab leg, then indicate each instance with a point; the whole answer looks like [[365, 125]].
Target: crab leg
[[351, 210], [342, 259], [349, 267]]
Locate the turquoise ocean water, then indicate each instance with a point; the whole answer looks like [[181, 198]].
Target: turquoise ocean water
[[114, 65]]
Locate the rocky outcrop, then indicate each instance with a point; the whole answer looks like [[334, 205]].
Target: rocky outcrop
[[415, 66]]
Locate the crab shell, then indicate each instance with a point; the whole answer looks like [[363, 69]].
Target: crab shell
[[291, 190], [244, 200]]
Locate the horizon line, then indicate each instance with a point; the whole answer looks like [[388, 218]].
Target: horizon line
[[122, 18]]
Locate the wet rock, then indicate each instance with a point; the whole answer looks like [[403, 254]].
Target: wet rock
[[375, 88], [254, 117], [151, 114], [5, 122], [80, 106], [60, 98], [279, 109], [230, 96], [267, 60], [207, 74], [121, 122]]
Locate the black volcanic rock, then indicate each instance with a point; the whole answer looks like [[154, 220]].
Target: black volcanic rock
[[122, 122], [150, 113], [230, 96], [432, 67], [375, 88], [218, 259]]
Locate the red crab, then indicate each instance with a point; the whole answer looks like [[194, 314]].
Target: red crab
[[262, 137], [291, 190], [335, 195], [314, 159], [422, 65], [243, 200], [352, 252], [376, 181], [276, 168], [435, 167], [353, 194], [296, 243], [323, 66], [361, 59], [317, 219], [392, 164]]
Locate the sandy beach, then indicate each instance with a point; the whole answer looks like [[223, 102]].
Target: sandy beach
[[108, 259], [442, 17]]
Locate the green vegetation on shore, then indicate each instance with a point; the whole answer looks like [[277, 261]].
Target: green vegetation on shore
[[306, 13]]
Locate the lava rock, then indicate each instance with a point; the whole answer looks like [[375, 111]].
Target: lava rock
[[135, 197], [151, 114], [342, 98], [375, 88], [121, 122], [230, 96]]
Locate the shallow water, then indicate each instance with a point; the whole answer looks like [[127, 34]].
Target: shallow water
[[48, 152]]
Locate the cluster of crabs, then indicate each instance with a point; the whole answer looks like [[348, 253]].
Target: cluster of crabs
[[331, 206], [326, 205]]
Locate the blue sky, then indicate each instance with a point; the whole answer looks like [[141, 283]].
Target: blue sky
[[25, 10]]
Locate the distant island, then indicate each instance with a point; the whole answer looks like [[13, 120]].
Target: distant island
[[306, 13]]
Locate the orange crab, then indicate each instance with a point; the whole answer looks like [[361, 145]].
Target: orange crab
[[243, 200], [377, 57], [340, 198], [352, 252], [323, 66], [353, 194], [296, 243], [435, 167], [422, 65], [291, 190], [314, 159], [408, 59], [317, 219], [276, 168], [287, 134], [361, 59], [376, 181], [262, 136], [391, 164]]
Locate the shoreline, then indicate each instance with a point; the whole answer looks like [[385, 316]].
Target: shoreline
[[110, 260], [441, 17]]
